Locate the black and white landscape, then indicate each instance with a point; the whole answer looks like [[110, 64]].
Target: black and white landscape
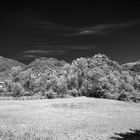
[[70, 71]]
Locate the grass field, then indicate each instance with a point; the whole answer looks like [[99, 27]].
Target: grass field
[[78, 118]]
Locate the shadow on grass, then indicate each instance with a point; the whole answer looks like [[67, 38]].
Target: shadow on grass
[[132, 135]]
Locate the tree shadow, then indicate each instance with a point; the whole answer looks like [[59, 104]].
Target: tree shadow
[[132, 135]]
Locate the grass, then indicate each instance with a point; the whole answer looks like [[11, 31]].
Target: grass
[[25, 134], [78, 118]]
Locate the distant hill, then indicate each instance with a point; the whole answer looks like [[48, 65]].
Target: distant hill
[[7, 64], [43, 64]]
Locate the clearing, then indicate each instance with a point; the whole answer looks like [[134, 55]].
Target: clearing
[[78, 118]]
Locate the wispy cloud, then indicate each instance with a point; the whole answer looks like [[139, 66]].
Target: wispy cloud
[[35, 52], [61, 47], [28, 56], [104, 28], [88, 32], [45, 52], [69, 31], [48, 25], [75, 47]]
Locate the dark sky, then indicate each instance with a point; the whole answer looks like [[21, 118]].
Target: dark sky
[[68, 31]]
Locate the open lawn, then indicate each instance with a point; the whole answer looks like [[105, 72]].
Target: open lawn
[[78, 118]]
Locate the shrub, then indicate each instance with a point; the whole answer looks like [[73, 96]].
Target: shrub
[[123, 96], [17, 89], [127, 96], [112, 95], [73, 92], [126, 86], [84, 90], [50, 94], [2, 90]]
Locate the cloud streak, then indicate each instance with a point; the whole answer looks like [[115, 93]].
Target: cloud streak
[[45, 52], [69, 31], [104, 28], [75, 47], [28, 56]]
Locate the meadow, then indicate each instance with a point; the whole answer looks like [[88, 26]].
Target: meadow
[[79, 118]]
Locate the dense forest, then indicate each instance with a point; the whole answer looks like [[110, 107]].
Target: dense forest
[[96, 76]]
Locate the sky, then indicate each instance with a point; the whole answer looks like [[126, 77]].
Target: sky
[[67, 31]]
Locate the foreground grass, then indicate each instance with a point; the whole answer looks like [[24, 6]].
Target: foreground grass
[[9, 134], [66, 119]]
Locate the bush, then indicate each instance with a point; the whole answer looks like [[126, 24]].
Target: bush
[[2, 90], [17, 89], [50, 94], [74, 92], [112, 95], [123, 96], [126, 86], [127, 96]]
